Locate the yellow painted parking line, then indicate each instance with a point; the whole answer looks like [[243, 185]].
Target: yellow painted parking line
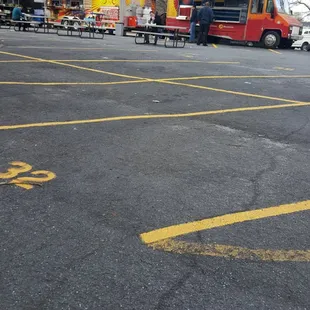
[[162, 238], [214, 45], [237, 77], [222, 220], [273, 51], [72, 83], [154, 116], [224, 62], [230, 92], [84, 48], [210, 77], [17, 61], [284, 69], [73, 66], [127, 60], [230, 251], [165, 81]]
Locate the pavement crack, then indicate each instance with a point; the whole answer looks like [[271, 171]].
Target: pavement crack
[[255, 180], [303, 126], [169, 294]]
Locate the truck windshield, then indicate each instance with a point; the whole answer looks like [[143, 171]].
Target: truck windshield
[[283, 6]]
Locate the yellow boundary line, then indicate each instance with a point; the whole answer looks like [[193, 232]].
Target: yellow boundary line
[[231, 92], [83, 48], [165, 81], [162, 239], [222, 220], [72, 83], [237, 77], [273, 51], [74, 66], [126, 60], [230, 251], [154, 116]]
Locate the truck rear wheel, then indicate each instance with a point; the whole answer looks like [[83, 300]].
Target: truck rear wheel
[[271, 39]]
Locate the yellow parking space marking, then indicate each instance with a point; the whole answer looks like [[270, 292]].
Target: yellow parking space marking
[[27, 182], [128, 60], [165, 81], [162, 238], [284, 69], [17, 61], [83, 48], [154, 116], [230, 251], [72, 83], [73, 66], [210, 77], [273, 51], [214, 45], [230, 92], [224, 62]]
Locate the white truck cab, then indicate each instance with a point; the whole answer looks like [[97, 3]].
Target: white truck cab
[[304, 43]]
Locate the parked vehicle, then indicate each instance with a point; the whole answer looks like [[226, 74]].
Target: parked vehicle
[[266, 21], [304, 43]]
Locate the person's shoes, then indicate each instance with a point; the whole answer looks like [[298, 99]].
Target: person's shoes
[[205, 45], [198, 43]]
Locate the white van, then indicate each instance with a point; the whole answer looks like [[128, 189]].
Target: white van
[[303, 44]]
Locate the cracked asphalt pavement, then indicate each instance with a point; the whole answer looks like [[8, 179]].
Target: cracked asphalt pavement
[[73, 242]]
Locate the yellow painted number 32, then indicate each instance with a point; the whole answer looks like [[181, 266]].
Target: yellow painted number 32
[[18, 167]]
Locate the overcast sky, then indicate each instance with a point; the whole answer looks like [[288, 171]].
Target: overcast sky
[[301, 8]]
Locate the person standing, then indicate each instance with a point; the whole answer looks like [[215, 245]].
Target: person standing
[[17, 15], [205, 18], [193, 21]]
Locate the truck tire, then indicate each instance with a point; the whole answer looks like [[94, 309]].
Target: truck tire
[[271, 39], [304, 46]]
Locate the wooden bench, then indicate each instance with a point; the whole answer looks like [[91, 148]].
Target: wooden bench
[[149, 36]]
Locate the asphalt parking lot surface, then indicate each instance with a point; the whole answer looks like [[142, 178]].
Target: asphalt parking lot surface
[[141, 177]]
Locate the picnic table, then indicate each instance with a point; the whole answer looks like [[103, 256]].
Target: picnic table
[[4, 21], [28, 22], [87, 26], [173, 35]]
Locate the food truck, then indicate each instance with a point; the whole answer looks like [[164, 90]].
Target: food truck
[[106, 12], [267, 21]]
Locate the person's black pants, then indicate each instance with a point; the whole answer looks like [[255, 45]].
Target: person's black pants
[[203, 34], [21, 24]]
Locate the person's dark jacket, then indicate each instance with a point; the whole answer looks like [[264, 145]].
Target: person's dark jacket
[[194, 16], [205, 15], [157, 20]]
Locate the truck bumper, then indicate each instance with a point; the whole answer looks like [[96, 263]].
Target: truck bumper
[[295, 37]]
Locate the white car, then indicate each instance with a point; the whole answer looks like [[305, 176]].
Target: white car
[[72, 21], [303, 44]]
